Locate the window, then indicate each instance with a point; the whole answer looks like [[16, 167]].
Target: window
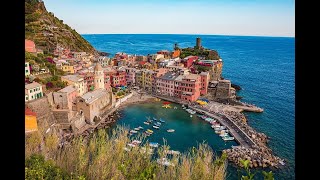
[[27, 98], [31, 97], [30, 90], [26, 71], [26, 65]]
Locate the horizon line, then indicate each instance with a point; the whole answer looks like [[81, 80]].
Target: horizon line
[[185, 34]]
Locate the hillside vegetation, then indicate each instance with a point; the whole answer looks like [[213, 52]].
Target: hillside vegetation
[[46, 30]]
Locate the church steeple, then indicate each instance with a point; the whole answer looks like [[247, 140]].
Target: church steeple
[[98, 77]]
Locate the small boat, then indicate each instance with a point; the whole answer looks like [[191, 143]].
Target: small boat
[[136, 142], [156, 127], [170, 130], [133, 131], [126, 149], [159, 123], [165, 162], [140, 127], [224, 135], [162, 121], [136, 129], [154, 118], [215, 126], [149, 130], [172, 152], [147, 134], [147, 123], [131, 145], [154, 144], [228, 138]]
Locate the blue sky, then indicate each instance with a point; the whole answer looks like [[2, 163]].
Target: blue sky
[[223, 17]]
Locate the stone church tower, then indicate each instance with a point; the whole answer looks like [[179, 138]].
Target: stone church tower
[[98, 77]]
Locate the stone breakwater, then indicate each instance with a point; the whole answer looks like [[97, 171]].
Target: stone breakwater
[[259, 155]]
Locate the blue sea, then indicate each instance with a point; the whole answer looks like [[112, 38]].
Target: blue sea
[[263, 66]]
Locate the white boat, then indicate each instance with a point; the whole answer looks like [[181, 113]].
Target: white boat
[[131, 145], [147, 123], [228, 138], [172, 152], [126, 149], [133, 131], [170, 130], [156, 127], [216, 126], [165, 162], [154, 144], [224, 135], [140, 127], [136, 142], [136, 129]]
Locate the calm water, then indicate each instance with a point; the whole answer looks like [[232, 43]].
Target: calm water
[[262, 66]]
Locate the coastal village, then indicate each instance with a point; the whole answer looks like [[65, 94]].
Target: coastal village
[[82, 92]]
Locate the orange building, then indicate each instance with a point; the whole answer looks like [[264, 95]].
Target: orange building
[[176, 53], [30, 46], [30, 121]]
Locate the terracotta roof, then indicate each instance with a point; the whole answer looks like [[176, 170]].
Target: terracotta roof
[[142, 62], [28, 112]]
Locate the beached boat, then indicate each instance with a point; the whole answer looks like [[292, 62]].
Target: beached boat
[[154, 144], [165, 162], [147, 123], [170, 130], [156, 127], [133, 131], [228, 138]]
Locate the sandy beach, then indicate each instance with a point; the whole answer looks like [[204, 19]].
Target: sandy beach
[[136, 99]]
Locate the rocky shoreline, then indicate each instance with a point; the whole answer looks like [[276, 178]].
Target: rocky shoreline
[[259, 155]]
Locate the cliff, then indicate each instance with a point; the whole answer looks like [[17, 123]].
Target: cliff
[[46, 30]]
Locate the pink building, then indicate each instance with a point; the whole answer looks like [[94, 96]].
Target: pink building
[[30, 46], [188, 61], [165, 84], [89, 79], [187, 87], [65, 98], [131, 76], [205, 77]]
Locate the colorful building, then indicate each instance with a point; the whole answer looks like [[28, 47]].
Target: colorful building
[[131, 76], [205, 78], [33, 91], [187, 87], [30, 46], [77, 81], [165, 84], [30, 121], [188, 61], [26, 69], [65, 98]]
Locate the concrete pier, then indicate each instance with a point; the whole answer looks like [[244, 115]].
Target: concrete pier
[[240, 136]]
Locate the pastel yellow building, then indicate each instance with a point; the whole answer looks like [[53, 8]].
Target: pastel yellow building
[[30, 121], [77, 81], [68, 68]]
